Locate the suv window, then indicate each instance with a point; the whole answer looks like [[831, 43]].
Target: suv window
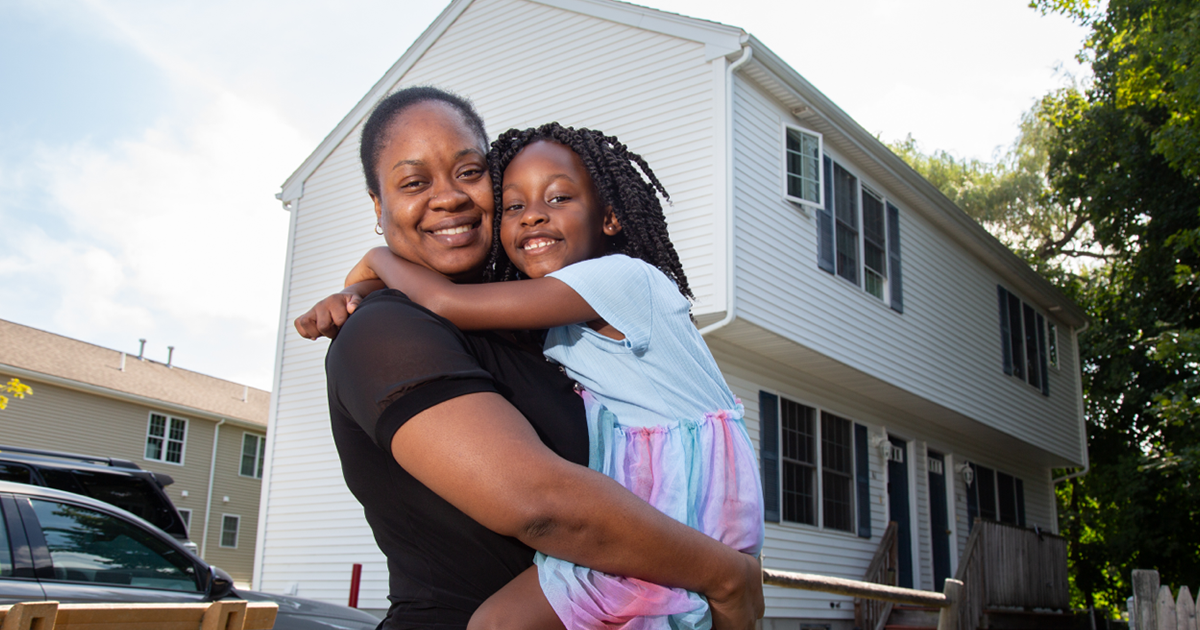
[[16, 472], [6, 563], [90, 546]]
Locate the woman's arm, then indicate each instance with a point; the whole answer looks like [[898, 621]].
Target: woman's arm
[[480, 454], [521, 305]]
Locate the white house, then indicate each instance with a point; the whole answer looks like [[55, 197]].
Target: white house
[[886, 347]]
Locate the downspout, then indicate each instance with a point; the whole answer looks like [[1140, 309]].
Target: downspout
[[1087, 461], [730, 244], [212, 469]]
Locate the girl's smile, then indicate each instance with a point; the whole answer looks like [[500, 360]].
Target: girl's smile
[[551, 214]]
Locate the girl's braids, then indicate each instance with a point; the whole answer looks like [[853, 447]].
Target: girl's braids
[[614, 172]]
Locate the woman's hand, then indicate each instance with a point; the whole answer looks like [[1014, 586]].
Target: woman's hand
[[743, 604], [325, 318]]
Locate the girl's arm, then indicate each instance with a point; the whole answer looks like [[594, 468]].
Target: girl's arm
[[520, 305], [326, 317]]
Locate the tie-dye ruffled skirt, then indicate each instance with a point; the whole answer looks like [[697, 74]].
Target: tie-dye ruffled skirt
[[700, 472]]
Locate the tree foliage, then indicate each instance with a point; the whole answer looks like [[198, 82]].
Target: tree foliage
[[14, 387]]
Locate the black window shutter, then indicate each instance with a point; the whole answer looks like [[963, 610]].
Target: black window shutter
[[893, 245], [1041, 343], [768, 448], [1005, 338], [862, 479], [825, 253], [1020, 503]]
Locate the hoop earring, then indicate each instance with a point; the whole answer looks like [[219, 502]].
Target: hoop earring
[[378, 230]]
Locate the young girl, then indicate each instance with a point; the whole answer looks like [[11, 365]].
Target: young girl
[[581, 223]]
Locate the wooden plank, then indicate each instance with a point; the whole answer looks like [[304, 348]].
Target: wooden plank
[[1185, 610], [30, 616], [224, 615], [948, 616], [1145, 599], [1166, 609]]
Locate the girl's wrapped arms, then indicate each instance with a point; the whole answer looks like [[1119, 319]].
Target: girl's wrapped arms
[[518, 305], [326, 317]]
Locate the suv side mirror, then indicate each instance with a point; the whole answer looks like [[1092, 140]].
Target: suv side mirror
[[220, 585]]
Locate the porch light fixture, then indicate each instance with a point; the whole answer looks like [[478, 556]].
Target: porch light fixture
[[968, 473]]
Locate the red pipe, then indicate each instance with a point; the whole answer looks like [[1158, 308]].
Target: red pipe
[[355, 579]]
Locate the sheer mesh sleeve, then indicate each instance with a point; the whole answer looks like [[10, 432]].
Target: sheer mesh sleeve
[[394, 359]]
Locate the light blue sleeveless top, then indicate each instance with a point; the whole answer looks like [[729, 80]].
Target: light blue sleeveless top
[[662, 371]]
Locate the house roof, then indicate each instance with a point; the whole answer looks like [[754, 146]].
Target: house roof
[[785, 84], [29, 353]]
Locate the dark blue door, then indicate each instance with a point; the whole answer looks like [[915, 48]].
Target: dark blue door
[[939, 519], [898, 507]]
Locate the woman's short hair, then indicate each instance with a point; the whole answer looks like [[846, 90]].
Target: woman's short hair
[[385, 112]]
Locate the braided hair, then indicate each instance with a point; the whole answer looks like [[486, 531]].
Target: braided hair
[[614, 170]]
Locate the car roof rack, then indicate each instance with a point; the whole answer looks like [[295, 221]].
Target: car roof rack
[[110, 461]]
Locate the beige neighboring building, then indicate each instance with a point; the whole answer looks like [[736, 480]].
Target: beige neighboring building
[[208, 434]]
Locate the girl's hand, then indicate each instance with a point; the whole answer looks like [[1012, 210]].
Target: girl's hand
[[325, 318], [743, 604]]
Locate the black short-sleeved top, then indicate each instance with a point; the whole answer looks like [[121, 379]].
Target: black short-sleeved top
[[392, 360]]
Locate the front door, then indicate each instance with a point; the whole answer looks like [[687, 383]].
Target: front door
[[939, 519], [898, 507]]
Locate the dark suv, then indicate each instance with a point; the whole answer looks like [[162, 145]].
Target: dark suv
[[74, 549], [115, 481]]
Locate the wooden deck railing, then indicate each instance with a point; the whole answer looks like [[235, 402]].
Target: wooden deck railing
[[1011, 566], [947, 602], [872, 614]]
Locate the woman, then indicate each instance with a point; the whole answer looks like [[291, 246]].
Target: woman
[[467, 450]]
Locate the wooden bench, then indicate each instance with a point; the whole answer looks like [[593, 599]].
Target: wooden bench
[[222, 615]]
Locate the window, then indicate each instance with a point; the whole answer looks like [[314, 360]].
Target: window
[[858, 235], [254, 450], [1023, 341], [229, 530], [87, 545], [186, 515], [165, 438], [995, 496], [802, 157], [1052, 343], [814, 473]]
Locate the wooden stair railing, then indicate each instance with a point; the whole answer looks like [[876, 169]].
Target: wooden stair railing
[[872, 614], [947, 602], [221, 615]]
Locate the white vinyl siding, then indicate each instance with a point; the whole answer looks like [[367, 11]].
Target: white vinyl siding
[[943, 349], [652, 91]]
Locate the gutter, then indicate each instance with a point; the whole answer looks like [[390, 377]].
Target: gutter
[[212, 469], [730, 249], [1087, 461]]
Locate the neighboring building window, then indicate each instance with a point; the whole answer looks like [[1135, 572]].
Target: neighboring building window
[[813, 487], [1023, 340], [802, 151], [996, 496], [254, 450], [165, 438], [229, 530], [858, 235], [186, 515]]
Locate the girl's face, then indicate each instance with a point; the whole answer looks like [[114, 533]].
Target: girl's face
[[435, 203], [551, 215]]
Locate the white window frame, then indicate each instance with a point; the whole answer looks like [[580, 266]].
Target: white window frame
[[861, 238], [1052, 358], [166, 439], [783, 152], [259, 455], [237, 532], [819, 466], [186, 515]]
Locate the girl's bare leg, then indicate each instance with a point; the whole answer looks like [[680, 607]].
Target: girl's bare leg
[[520, 605]]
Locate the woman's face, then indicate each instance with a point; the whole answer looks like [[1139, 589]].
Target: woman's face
[[435, 195]]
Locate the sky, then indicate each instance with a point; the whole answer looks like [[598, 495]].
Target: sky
[[142, 142]]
